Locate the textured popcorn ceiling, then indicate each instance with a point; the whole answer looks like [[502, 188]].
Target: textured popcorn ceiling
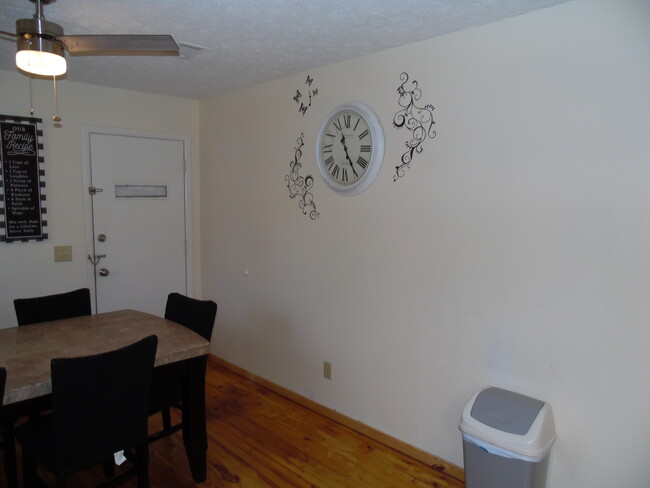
[[248, 41]]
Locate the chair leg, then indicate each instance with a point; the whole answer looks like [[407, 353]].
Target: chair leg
[[30, 478], [142, 465], [109, 467], [166, 418], [60, 481], [9, 454]]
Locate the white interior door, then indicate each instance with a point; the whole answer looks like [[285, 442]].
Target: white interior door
[[138, 250]]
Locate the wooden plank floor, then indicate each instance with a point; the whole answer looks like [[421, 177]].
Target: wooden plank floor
[[259, 439]]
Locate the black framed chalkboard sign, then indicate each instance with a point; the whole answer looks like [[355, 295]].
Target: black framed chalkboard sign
[[22, 180]]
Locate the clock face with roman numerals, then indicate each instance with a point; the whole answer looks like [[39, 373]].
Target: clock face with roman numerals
[[350, 148]]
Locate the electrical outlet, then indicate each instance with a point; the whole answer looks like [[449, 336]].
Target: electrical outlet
[[62, 253], [327, 370]]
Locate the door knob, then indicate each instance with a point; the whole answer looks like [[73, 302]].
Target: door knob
[[103, 272]]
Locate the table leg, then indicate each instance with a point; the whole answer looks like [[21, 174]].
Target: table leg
[[195, 435]]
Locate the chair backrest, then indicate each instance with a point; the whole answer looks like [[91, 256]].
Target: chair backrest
[[196, 315], [100, 403], [3, 380], [53, 307]]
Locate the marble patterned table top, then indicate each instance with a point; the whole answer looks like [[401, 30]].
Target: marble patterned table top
[[26, 351]]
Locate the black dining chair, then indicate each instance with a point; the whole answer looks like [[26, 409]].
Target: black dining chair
[[8, 443], [53, 307], [198, 316], [3, 381], [7, 449], [43, 309], [100, 406]]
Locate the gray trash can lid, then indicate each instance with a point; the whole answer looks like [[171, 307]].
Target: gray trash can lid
[[506, 410], [509, 420]]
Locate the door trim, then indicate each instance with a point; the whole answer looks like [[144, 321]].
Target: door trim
[[86, 132]]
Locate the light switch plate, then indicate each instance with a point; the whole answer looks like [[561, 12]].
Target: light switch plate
[[62, 253], [327, 370]]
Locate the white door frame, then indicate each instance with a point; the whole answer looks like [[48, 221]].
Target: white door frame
[[86, 132]]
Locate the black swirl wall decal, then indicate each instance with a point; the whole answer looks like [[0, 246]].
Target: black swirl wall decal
[[300, 186], [419, 120], [305, 101]]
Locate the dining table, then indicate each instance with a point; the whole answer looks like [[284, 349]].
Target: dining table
[[26, 353]]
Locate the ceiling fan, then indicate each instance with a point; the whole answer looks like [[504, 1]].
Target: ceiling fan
[[41, 44]]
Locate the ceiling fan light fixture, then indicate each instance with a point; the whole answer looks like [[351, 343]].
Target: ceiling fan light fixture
[[42, 62], [39, 53]]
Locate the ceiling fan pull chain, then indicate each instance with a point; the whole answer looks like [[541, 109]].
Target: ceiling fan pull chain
[[56, 117], [31, 96]]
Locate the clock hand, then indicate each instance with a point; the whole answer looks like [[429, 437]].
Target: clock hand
[[347, 156]]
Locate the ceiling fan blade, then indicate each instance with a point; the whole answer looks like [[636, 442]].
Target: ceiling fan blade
[[120, 45]]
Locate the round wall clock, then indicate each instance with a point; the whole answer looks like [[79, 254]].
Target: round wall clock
[[350, 148]]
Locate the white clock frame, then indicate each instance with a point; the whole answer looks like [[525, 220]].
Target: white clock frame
[[377, 155]]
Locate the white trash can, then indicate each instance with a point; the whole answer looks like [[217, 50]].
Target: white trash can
[[507, 438]]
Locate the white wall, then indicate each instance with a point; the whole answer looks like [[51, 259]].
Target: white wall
[[514, 252], [28, 269]]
